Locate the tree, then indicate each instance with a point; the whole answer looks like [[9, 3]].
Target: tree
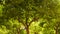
[[21, 11]]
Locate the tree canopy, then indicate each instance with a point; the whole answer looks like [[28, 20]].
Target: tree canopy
[[29, 16]]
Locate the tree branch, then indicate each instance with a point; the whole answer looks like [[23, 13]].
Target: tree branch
[[34, 19], [22, 22]]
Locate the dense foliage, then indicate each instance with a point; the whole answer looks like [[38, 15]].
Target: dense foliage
[[29, 17]]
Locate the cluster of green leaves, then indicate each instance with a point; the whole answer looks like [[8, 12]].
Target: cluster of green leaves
[[16, 15]]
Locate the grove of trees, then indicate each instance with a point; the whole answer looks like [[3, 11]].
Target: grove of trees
[[29, 16]]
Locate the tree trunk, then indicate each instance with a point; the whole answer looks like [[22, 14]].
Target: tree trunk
[[27, 29], [18, 30], [56, 30], [35, 32], [57, 25]]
